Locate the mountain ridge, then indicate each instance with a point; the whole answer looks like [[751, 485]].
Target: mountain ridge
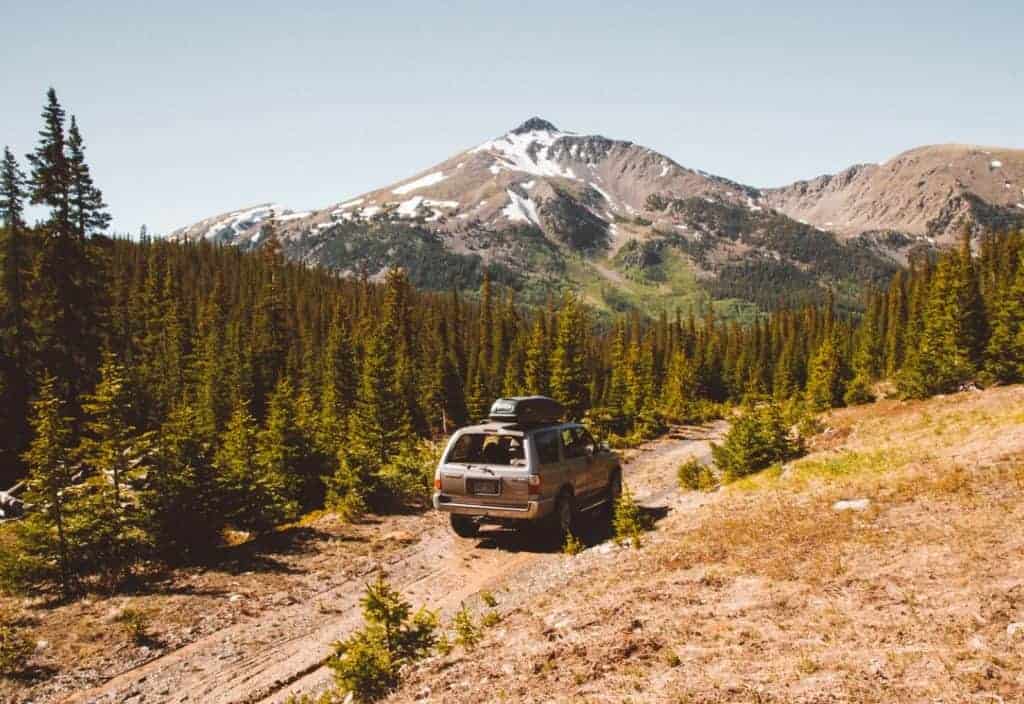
[[538, 207]]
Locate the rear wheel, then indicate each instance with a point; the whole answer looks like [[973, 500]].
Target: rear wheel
[[614, 490], [564, 518], [464, 526]]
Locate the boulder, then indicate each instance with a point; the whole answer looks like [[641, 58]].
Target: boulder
[[851, 505]]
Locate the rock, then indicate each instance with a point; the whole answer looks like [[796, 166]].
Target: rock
[[977, 643], [114, 615], [851, 505], [1015, 630], [399, 536], [235, 597], [42, 645]]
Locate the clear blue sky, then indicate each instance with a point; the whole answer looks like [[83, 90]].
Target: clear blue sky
[[193, 108]]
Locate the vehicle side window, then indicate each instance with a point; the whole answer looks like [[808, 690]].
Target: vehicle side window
[[587, 441], [547, 446], [571, 442]]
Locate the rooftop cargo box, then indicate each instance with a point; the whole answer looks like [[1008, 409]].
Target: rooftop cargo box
[[527, 410]]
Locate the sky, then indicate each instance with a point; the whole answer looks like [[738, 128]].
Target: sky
[[190, 109]]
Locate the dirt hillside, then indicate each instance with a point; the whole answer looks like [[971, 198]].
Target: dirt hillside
[[887, 566]]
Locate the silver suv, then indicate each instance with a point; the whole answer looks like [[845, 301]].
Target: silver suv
[[522, 468]]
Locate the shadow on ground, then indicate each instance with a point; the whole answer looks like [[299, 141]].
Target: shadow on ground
[[595, 527]]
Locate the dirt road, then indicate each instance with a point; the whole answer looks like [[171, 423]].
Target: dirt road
[[282, 651]]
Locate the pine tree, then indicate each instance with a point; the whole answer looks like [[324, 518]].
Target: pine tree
[[68, 288], [284, 451], [51, 177], [538, 356], [680, 388], [43, 536], [824, 376], [114, 449], [12, 193], [16, 358], [87, 209], [252, 488], [1005, 349], [180, 503], [569, 375], [337, 389]]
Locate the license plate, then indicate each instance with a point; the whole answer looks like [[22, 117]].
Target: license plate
[[484, 486]]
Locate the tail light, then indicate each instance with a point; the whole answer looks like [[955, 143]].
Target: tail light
[[533, 485], [437, 483]]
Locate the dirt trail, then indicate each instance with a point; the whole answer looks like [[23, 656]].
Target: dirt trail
[[273, 654]]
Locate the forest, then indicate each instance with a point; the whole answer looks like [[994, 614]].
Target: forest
[[154, 394]]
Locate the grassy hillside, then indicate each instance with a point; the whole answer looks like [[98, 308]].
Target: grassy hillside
[[765, 592]]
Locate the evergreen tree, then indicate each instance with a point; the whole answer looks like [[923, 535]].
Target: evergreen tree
[[87, 209], [1005, 349], [68, 290], [252, 487], [284, 451], [338, 389], [569, 375], [538, 359], [43, 536], [181, 507], [16, 358], [114, 449], [824, 376]]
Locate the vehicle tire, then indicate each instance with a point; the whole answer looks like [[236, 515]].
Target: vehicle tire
[[614, 491], [563, 520], [464, 526]]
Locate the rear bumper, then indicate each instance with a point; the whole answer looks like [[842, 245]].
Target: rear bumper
[[529, 511]]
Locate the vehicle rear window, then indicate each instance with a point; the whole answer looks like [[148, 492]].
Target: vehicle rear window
[[547, 446], [488, 448]]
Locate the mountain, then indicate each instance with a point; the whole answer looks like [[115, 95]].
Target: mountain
[[929, 191], [544, 210]]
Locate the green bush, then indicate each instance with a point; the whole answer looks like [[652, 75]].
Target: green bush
[[467, 633], [15, 647], [487, 597], [369, 662], [758, 438], [694, 476], [409, 477], [572, 545], [628, 522], [135, 624]]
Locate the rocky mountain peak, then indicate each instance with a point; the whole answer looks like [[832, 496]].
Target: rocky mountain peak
[[534, 124]]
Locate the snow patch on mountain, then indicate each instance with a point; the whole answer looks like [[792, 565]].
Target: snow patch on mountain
[[422, 182], [526, 151], [521, 209]]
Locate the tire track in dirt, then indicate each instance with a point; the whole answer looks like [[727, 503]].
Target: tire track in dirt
[[267, 657]]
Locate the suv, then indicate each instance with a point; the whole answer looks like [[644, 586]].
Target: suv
[[524, 467]]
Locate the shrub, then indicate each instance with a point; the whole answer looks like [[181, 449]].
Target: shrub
[[490, 619], [409, 477], [135, 624], [628, 522], [758, 438], [467, 633], [488, 598], [694, 476], [15, 647], [572, 545], [369, 662]]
